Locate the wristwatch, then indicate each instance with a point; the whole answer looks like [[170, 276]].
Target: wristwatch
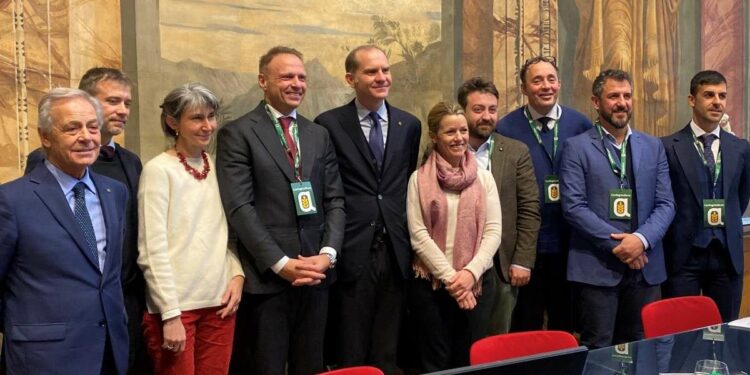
[[332, 258]]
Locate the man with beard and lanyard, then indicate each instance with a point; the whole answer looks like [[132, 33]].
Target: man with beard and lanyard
[[543, 125], [710, 171], [511, 166], [617, 198]]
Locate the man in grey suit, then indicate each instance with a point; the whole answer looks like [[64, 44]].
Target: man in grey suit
[[511, 166], [283, 197]]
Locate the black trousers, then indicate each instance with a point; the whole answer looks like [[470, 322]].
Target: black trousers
[[369, 311], [708, 271], [445, 332], [139, 362], [548, 290], [277, 330], [612, 315]]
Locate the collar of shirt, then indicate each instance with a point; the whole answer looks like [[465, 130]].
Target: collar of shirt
[[276, 114], [611, 138], [67, 182], [482, 154], [699, 132], [553, 113], [363, 112], [112, 144]]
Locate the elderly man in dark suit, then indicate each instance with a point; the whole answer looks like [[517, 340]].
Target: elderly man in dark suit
[[61, 231], [710, 172], [511, 166], [113, 90], [282, 194], [377, 146]]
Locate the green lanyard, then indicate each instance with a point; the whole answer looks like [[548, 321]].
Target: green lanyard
[[295, 137], [618, 171], [717, 169], [555, 137]]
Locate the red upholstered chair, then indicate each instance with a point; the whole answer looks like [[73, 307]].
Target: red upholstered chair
[[679, 314], [360, 370], [519, 344]]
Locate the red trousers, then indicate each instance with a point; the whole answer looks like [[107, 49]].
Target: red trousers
[[207, 349]]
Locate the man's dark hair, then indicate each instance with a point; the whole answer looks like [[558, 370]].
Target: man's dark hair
[[706, 77], [615, 74], [535, 60], [93, 76], [475, 84], [273, 52], [351, 64]]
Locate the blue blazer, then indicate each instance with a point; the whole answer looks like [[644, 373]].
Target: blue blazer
[[58, 308], [585, 181], [683, 159]]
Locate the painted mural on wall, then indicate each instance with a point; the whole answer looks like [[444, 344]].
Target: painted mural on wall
[[45, 44], [225, 40]]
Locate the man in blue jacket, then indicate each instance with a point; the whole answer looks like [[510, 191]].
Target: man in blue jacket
[[617, 198]]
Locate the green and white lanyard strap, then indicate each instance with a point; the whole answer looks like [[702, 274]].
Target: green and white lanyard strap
[[490, 145], [621, 170], [717, 169], [535, 131], [295, 136]]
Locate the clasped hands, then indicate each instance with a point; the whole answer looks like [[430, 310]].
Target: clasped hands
[[460, 287], [306, 270], [630, 250]]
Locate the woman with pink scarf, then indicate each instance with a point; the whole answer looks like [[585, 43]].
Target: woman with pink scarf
[[453, 211]]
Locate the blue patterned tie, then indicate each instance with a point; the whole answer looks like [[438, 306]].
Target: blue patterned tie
[[708, 139], [83, 219], [376, 139]]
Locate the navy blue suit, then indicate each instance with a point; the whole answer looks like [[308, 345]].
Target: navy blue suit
[[60, 310], [586, 181], [548, 288], [682, 251]]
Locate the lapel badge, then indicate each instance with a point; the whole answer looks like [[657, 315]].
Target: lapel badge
[[399, 123], [108, 190]]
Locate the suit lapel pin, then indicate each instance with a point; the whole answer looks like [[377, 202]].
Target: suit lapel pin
[[399, 123], [108, 190]]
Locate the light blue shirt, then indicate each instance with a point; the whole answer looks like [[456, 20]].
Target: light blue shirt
[[482, 154], [93, 205], [365, 121]]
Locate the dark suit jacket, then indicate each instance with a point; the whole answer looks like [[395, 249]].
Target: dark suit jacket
[[519, 201], [132, 277], [585, 181], [58, 307], [682, 156], [373, 197], [254, 181]]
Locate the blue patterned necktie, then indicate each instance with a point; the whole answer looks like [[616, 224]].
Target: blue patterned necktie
[[376, 139], [708, 139], [83, 219]]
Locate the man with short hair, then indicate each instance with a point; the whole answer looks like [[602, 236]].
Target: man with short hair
[[113, 90], [282, 194], [511, 166], [710, 172], [377, 146], [543, 125], [61, 229], [617, 198]]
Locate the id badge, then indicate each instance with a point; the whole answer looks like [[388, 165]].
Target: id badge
[[551, 189], [713, 213], [304, 199], [620, 201]]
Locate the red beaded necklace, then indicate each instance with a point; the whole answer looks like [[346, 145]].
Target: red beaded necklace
[[197, 175]]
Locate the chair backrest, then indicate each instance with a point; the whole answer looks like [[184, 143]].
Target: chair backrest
[[519, 344], [679, 314], [359, 370]]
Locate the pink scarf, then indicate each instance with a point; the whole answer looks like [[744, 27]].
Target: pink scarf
[[432, 178]]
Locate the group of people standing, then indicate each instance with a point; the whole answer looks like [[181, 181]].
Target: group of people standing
[[299, 244]]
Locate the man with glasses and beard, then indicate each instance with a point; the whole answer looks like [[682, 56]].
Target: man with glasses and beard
[[617, 198]]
